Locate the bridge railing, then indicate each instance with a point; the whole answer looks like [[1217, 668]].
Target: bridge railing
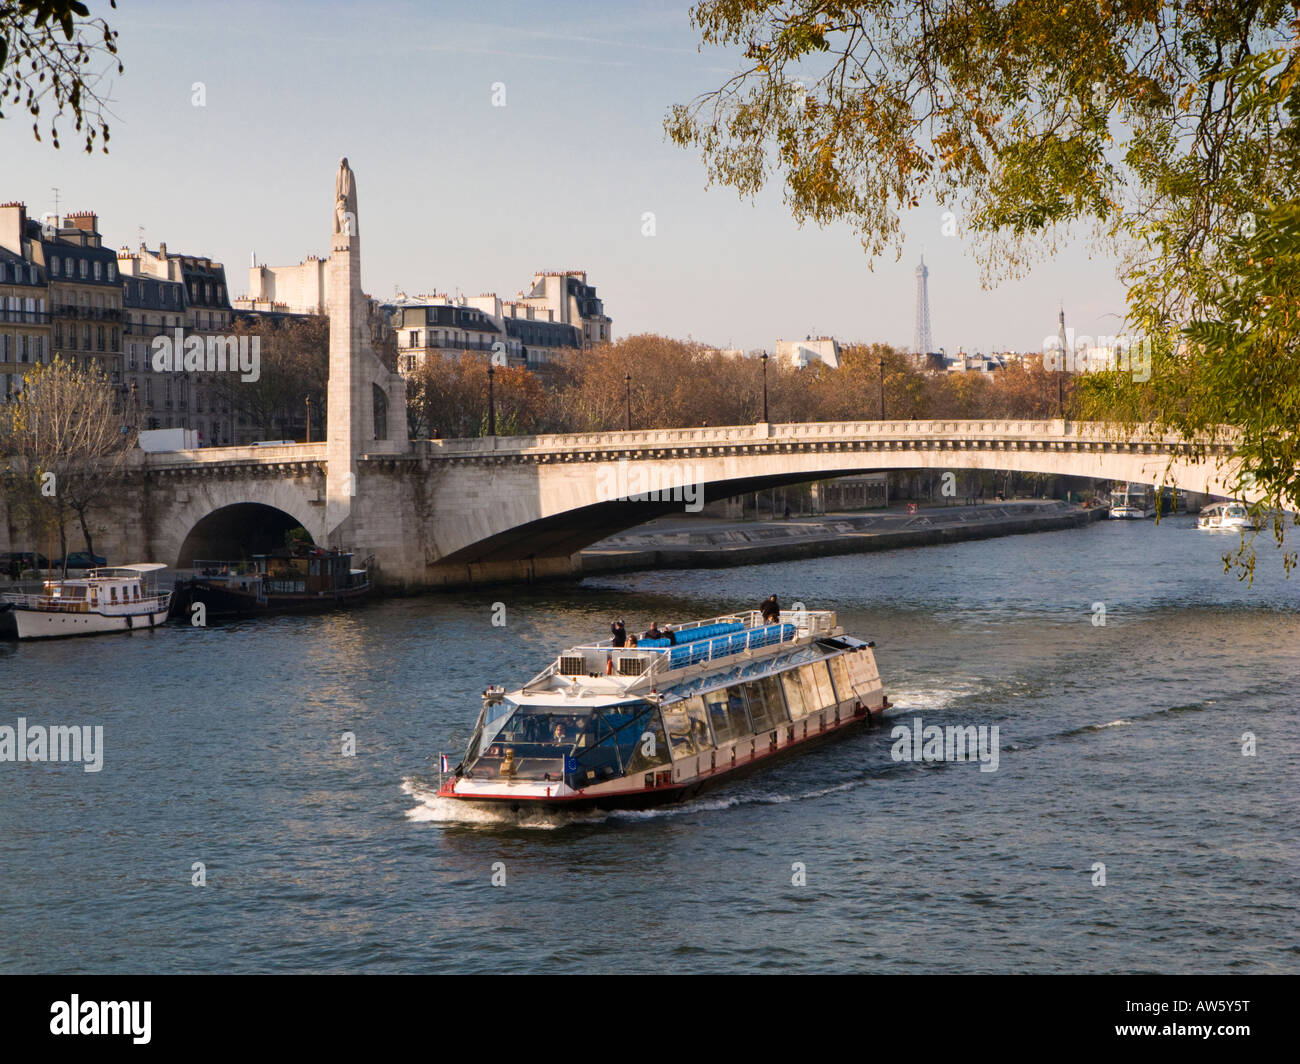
[[946, 428]]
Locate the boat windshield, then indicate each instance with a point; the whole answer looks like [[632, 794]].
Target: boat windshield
[[576, 743]]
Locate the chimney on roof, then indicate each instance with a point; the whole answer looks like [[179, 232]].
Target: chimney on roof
[[13, 226], [86, 221]]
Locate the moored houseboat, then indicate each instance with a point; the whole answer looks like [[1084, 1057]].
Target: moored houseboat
[[116, 599], [630, 727], [300, 578]]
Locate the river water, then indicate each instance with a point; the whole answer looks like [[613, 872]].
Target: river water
[[1121, 745]]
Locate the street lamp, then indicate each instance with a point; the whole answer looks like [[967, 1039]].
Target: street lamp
[[882, 388], [309, 419], [492, 402], [763, 359], [627, 380]]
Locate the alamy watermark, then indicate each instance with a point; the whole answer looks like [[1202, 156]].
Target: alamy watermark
[[38, 743], [212, 354], [930, 742], [1127, 354], [652, 482]]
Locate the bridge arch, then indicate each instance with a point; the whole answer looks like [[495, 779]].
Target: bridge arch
[[236, 531]]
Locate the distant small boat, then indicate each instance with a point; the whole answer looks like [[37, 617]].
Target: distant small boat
[[116, 599], [1226, 515], [1131, 502]]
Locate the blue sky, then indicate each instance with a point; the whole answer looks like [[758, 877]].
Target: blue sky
[[456, 194]]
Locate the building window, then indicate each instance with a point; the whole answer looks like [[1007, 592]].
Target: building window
[[54, 267], [414, 340], [380, 401], [99, 269], [82, 269]]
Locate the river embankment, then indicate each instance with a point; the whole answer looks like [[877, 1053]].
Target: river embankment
[[691, 543]]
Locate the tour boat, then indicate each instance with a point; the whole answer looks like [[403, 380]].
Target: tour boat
[[1131, 502], [1226, 515], [293, 579], [113, 599], [606, 727]]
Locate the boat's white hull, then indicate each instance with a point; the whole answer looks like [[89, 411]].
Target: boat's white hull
[[1129, 513], [51, 624], [1230, 524]]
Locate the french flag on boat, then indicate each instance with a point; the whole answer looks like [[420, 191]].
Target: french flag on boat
[[444, 763]]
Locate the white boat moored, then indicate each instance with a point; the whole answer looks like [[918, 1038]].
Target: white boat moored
[[108, 599]]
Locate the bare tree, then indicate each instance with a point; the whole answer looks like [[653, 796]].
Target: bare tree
[[66, 445]]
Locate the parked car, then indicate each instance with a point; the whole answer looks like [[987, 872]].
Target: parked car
[[14, 563], [80, 559]]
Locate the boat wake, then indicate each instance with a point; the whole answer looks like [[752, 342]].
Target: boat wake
[[913, 699]]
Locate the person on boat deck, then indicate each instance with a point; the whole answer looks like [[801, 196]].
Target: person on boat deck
[[653, 631], [619, 632], [558, 734], [669, 635], [771, 610], [631, 641], [509, 766]]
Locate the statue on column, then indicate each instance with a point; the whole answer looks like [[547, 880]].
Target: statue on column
[[345, 201]]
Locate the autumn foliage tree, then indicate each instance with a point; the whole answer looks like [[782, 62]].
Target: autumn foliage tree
[[1166, 129]]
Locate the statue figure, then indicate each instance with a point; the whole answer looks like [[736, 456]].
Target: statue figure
[[345, 200]]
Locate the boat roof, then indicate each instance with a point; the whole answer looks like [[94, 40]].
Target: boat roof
[[578, 677], [130, 570]]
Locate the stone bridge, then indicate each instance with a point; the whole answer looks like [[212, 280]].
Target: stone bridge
[[441, 512], [448, 512]]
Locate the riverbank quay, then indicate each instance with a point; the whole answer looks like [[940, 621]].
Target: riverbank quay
[[678, 543]]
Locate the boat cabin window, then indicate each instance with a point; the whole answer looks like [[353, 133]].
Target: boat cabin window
[[794, 695], [112, 595], [580, 744], [687, 723], [816, 684], [727, 714], [840, 675], [766, 706]]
